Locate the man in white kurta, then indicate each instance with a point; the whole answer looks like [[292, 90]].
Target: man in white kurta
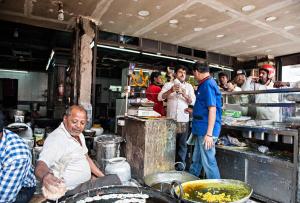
[[64, 157], [59, 145], [179, 95]]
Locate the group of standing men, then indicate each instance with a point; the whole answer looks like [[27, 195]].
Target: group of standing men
[[264, 81], [206, 116]]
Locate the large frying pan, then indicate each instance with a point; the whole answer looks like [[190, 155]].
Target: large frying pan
[[194, 191], [162, 181], [154, 196]]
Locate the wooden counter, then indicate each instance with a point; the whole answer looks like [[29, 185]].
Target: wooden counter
[[150, 145]]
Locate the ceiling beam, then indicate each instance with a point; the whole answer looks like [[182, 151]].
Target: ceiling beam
[[33, 20], [28, 7], [101, 8]]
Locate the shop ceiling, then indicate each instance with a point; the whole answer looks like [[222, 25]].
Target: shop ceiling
[[241, 28]]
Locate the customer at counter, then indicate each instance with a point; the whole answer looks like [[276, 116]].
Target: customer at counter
[[153, 90], [17, 181], [65, 148], [179, 95], [223, 79], [206, 126], [266, 76]]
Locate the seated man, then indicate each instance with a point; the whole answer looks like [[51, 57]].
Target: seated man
[[66, 147], [17, 181]]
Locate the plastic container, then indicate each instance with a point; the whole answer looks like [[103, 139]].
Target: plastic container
[[120, 167]]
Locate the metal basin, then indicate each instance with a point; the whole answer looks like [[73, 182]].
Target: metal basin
[[213, 190], [162, 181]]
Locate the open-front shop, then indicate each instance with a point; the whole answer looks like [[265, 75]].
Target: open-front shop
[[149, 101]]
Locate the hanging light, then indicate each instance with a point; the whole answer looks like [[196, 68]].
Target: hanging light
[[16, 33], [60, 15]]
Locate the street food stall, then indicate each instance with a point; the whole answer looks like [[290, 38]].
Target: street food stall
[[269, 159]]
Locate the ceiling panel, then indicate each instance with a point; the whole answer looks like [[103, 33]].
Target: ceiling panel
[[287, 16], [285, 49], [233, 32], [238, 4], [252, 47], [122, 16], [210, 18], [190, 20]]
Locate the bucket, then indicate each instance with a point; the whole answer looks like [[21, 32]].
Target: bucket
[[107, 147]]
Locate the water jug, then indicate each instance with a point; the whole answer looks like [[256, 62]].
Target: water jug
[[120, 167]]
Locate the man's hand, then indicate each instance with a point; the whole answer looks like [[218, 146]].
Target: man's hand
[[50, 180], [176, 88], [208, 142], [278, 84], [188, 110]]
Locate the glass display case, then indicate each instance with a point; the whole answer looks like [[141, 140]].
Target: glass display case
[[270, 129]]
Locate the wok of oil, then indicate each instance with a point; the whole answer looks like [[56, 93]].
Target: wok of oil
[[148, 200], [236, 192]]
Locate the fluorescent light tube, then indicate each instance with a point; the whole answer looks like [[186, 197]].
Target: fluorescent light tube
[[159, 56], [50, 59], [14, 71], [188, 61], [220, 67], [119, 49]]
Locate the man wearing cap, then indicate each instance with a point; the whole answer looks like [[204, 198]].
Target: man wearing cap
[[242, 81], [206, 126], [17, 181], [265, 82], [245, 83], [223, 79]]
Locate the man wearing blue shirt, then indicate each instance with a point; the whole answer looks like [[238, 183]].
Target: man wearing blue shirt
[[206, 126], [17, 181]]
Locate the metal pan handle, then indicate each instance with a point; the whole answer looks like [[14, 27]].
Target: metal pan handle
[[180, 163], [173, 192]]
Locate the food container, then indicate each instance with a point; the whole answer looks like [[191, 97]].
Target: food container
[[287, 139], [162, 181], [259, 135], [247, 134], [19, 119], [212, 190], [38, 134], [35, 154], [273, 137], [120, 167], [107, 147], [89, 133]]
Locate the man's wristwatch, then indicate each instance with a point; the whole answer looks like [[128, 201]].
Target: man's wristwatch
[[209, 135]]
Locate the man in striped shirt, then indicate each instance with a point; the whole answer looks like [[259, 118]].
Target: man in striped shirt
[[17, 181]]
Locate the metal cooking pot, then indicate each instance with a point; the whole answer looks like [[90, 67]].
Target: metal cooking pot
[[194, 191], [162, 181], [154, 196]]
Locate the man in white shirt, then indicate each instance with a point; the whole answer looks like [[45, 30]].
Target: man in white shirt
[[179, 95], [266, 76], [65, 148]]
